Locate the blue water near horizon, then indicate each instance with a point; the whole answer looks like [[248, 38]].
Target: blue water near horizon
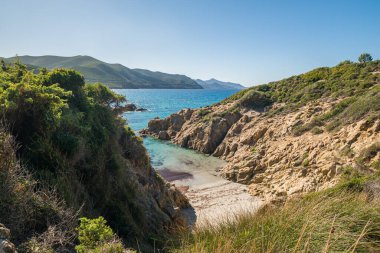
[[164, 155]]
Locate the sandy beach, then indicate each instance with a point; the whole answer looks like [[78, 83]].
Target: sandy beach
[[214, 201]]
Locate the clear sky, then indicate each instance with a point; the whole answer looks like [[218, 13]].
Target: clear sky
[[250, 42]]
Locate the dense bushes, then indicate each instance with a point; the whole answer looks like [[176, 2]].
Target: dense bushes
[[72, 139], [39, 219], [254, 100]]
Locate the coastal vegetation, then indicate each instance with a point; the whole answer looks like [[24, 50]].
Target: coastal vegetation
[[345, 218], [76, 177], [67, 153], [345, 79], [308, 146], [354, 85]]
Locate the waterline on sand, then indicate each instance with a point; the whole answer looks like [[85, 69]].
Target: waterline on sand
[[213, 198]]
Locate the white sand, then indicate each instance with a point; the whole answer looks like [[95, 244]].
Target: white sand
[[219, 201], [213, 198]]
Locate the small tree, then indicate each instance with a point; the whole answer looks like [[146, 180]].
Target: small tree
[[365, 58]]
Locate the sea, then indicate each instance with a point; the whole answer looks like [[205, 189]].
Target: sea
[[169, 160]]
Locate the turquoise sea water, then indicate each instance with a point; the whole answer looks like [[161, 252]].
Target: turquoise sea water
[[193, 167], [162, 103]]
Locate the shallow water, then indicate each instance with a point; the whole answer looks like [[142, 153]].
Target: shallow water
[[184, 166], [213, 199]]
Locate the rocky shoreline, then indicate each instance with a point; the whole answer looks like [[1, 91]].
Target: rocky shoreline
[[262, 150]]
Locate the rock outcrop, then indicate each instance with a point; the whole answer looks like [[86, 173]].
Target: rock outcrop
[[134, 108], [5, 245], [262, 149], [190, 129], [292, 136]]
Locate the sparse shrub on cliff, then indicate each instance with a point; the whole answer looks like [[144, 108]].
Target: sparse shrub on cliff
[[376, 165], [203, 112], [370, 152], [346, 111], [316, 130]]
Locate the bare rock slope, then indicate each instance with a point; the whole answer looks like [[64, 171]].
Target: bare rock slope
[[288, 137]]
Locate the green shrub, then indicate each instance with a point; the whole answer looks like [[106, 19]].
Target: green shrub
[[254, 100], [203, 112], [370, 152], [316, 75], [376, 165], [316, 130], [95, 237], [302, 128]]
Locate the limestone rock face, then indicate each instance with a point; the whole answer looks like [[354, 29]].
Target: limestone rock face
[[262, 150], [5, 245]]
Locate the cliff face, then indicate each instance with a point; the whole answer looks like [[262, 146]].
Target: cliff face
[[282, 148]]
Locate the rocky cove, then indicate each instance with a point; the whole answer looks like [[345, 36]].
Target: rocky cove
[[189, 126], [212, 197], [275, 150], [262, 152], [241, 162]]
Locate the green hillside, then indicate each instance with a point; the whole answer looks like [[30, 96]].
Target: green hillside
[[113, 75], [343, 218], [65, 153]]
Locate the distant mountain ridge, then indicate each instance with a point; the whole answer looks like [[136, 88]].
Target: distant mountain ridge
[[214, 84], [113, 75]]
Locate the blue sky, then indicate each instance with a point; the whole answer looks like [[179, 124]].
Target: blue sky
[[250, 42]]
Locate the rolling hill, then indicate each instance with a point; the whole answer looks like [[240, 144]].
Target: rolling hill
[[113, 75], [214, 84]]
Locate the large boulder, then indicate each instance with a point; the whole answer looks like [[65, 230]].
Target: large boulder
[[157, 125], [130, 107], [5, 245]]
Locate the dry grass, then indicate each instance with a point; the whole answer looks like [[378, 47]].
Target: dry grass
[[38, 219], [336, 220]]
